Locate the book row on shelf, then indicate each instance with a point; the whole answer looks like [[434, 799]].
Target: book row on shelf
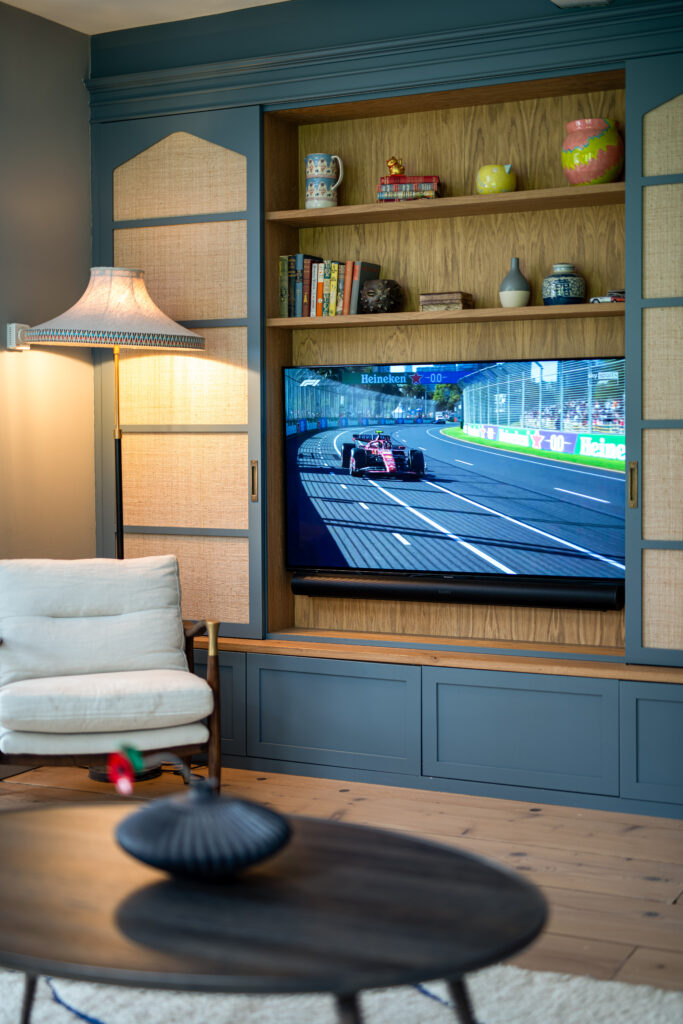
[[312, 286]]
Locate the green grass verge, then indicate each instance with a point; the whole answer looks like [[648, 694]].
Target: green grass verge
[[613, 464]]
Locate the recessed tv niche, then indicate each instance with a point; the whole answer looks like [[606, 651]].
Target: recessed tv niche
[[482, 470]]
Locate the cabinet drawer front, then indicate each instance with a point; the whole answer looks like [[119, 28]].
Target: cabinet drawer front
[[346, 714], [652, 741], [550, 732]]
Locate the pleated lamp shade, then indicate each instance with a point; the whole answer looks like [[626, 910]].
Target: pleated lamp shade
[[115, 309]]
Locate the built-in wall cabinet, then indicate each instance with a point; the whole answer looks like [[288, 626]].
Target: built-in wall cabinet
[[582, 740], [205, 203]]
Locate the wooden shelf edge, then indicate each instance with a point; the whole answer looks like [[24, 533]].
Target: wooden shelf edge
[[454, 659], [564, 198], [463, 316]]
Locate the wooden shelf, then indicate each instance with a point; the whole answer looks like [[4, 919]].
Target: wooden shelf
[[565, 198], [452, 316]]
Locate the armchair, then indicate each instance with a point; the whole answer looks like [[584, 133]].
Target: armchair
[[94, 655]]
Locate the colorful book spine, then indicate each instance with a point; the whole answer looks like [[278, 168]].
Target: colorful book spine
[[334, 284], [314, 289], [413, 179], [341, 283], [348, 279], [327, 277], [283, 285], [362, 272], [321, 285], [309, 263], [291, 280]]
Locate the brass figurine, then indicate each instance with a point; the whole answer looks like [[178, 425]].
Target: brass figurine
[[395, 165]]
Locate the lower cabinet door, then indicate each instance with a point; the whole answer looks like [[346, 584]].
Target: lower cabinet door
[[347, 714], [548, 732], [652, 741]]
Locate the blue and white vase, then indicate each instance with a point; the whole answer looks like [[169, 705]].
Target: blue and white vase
[[564, 286]]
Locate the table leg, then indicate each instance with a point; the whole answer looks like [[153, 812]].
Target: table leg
[[461, 1001], [30, 981], [348, 1009]]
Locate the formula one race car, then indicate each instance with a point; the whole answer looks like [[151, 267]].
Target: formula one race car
[[376, 453]]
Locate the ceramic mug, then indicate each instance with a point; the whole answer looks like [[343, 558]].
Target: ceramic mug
[[323, 179]]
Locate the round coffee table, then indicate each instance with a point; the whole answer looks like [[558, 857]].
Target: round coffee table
[[341, 908]]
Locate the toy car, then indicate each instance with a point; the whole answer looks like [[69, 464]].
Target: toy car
[[375, 453]]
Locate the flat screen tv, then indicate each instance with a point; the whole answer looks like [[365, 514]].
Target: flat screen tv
[[480, 470]]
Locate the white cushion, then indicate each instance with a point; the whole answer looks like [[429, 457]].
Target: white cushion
[[105, 702], [39, 743], [60, 617]]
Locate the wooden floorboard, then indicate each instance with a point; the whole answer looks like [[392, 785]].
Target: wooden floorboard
[[613, 881]]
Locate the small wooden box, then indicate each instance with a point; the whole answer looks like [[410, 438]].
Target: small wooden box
[[445, 300]]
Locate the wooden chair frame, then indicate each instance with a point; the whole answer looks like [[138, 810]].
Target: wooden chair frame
[[211, 749]]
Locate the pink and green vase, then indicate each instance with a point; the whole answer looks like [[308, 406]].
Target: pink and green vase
[[592, 152]]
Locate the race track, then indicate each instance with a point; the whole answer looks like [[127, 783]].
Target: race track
[[476, 510]]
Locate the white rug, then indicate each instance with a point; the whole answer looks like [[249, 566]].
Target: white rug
[[501, 995]]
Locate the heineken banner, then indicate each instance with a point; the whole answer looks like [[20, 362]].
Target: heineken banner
[[563, 442]]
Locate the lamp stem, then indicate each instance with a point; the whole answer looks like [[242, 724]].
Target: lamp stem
[[118, 470]]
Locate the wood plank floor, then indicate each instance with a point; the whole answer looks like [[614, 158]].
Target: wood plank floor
[[613, 881]]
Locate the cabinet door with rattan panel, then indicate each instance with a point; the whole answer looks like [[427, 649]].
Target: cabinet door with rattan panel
[[184, 205]]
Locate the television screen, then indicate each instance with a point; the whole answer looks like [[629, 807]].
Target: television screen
[[494, 468]]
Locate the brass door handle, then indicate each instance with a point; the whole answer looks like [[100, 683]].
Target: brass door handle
[[254, 480], [633, 485]]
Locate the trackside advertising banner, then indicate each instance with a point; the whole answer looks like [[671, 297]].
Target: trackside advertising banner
[[590, 446]]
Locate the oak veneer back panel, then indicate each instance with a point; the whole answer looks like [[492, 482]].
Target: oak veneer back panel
[[473, 254], [455, 142], [446, 622]]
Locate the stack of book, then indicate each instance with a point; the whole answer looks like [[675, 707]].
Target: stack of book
[[312, 286], [397, 188]]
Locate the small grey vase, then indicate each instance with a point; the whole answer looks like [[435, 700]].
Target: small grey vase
[[514, 288]]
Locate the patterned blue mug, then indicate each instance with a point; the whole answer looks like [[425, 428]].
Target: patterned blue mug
[[323, 179]]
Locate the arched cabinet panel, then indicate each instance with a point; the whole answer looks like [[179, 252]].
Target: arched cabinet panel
[[178, 197]]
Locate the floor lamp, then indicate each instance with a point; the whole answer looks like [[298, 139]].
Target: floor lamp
[[115, 311]]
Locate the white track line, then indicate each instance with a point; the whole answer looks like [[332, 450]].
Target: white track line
[[402, 539], [579, 495], [442, 529], [463, 462], [526, 526], [363, 505]]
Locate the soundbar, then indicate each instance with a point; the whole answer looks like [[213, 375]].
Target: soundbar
[[596, 595]]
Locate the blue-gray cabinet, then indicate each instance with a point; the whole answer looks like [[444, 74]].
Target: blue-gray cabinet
[[545, 731], [349, 714], [652, 741]]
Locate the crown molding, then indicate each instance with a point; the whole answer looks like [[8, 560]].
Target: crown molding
[[544, 47]]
